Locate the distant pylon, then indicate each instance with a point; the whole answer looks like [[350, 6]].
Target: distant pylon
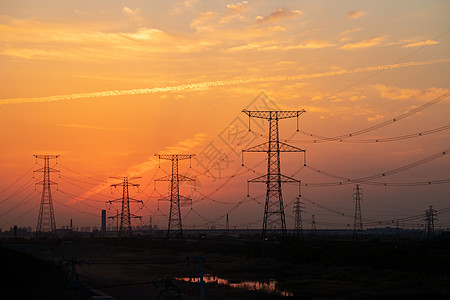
[[313, 223], [125, 228], [298, 216], [46, 218], [274, 222], [175, 227], [357, 221], [430, 217], [227, 228]]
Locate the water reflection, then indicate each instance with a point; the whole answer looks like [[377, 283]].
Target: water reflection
[[270, 286]]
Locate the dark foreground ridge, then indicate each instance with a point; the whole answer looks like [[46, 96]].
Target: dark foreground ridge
[[311, 267]]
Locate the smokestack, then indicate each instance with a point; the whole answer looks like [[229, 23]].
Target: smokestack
[[103, 220]]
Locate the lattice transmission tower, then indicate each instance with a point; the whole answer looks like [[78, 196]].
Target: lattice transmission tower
[[430, 218], [125, 215], [46, 218], [357, 221], [175, 227], [274, 222], [298, 216]]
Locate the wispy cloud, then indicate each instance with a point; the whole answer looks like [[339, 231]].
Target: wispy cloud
[[235, 8], [375, 41], [130, 12], [29, 39], [355, 14], [311, 44], [206, 21], [84, 126], [375, 118], [278, 15], [181, 6], [421, 43], [397, 93], [221, 83], [275, 45]]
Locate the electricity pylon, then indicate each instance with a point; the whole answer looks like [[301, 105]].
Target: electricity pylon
[[313, 224], [357, 221], [175, 227], [430, 217], [298, 216], [46, 218], [274, 223], [125, 215]]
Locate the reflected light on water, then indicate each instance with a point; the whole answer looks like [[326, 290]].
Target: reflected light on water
[[270, 286]]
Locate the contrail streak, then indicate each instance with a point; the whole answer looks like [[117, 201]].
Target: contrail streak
[[211, 84]]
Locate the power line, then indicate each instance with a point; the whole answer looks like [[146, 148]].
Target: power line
[[390, 66], [76, 209], [339, 138], [20, 204], [17, 180], [78, 173], [383, 140], [22, 215], [346, 180], [64, 178]]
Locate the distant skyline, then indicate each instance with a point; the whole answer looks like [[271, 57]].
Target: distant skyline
[[108, 84]]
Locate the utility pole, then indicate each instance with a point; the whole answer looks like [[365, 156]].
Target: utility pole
[[298, 216], [125, 215], [430, 217], [176, 200], [357, 221], [201, 259], [274, 222], [46, 218], [74, 282]]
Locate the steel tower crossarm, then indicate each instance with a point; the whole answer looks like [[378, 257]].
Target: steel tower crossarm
[[281, 147], [273, 114], [174, 156], [178, 177]]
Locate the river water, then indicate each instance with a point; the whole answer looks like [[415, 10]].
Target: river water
[[270, 286]]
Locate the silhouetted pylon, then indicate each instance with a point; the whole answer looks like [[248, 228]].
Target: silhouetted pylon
[[46, 218], [175, 226], [298, 216], [313, 223], [357, 221], [274, 222], [125, 216], [430, 218]]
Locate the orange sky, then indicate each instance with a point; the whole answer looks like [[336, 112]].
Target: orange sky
[[107, 84]]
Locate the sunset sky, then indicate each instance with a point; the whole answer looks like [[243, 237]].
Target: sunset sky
[[109, 84]]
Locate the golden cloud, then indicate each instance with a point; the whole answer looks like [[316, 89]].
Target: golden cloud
[[355, 14], [375, 41], [375, 118], [235, 8], [312, 44], [206, 21], [419, 44], [277, 15], [397, 93]]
